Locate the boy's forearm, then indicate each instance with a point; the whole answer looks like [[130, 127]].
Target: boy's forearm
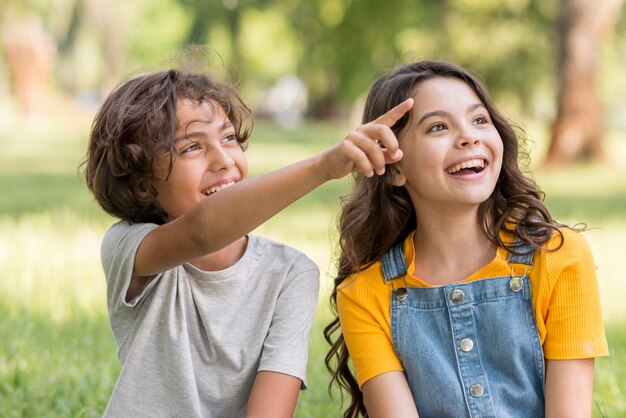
[[232, 213], [246, 205], [224, 217]]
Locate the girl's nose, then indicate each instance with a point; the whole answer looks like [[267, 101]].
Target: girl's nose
[[468, 141]]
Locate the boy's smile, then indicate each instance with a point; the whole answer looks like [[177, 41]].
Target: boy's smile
[[452, 150], [208, 158]]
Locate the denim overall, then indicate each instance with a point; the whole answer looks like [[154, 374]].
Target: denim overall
[[469, 349]]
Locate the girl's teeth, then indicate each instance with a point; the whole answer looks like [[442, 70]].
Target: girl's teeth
[[466, 164]]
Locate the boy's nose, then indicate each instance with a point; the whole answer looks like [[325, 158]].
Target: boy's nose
[[219, 159]]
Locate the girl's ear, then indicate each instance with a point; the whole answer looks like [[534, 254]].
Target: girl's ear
[[397, 178]]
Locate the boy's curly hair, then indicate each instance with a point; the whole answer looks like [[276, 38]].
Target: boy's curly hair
[[136, 124]]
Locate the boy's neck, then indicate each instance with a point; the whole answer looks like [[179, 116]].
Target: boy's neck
[[224, 258], [450, 247]]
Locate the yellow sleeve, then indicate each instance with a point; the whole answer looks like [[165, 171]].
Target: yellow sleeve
[[573, 322], [363, 305]]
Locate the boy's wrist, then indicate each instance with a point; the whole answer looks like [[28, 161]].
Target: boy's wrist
[[318, 164]]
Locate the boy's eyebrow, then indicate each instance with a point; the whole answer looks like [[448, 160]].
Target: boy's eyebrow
[[226, 125], [444, 113]]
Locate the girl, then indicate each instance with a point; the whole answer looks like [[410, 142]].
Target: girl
[[457, 293]]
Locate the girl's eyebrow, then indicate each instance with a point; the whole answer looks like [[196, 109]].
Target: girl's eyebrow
[[226, 125], [431, 114], [444, 113]]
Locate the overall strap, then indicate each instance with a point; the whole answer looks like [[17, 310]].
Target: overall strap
[[527, 252], [394, 264]]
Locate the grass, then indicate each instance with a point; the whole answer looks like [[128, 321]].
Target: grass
[[58, 356]]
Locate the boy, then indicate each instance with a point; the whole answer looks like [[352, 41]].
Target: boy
[[209, 320]]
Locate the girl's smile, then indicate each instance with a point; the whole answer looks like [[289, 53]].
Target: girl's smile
[[452, 150], [475, 165]]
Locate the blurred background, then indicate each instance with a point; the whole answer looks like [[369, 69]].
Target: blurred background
[[555, 67]]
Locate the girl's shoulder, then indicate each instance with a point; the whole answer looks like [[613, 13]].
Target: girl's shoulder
[[566, 240], [567, 248], [368, 278]]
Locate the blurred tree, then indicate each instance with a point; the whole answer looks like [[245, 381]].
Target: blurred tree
[[349, 42], [579, 127], [29, 50], [111, 21], [346, 43], [207, 15]]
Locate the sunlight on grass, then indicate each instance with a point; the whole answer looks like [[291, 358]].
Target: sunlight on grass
[[55, 260]]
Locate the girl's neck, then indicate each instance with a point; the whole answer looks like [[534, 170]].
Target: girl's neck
[[224, 258], [450, 247]]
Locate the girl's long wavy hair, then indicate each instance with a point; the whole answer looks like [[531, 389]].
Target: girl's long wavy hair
[[376, 214]]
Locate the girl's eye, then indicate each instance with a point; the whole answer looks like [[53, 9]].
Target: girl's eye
[[480, 120], [437, 127]]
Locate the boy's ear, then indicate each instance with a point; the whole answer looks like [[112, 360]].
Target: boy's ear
[[397, 178]]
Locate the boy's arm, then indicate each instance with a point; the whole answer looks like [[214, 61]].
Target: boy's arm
[[274, 395], [221, 219], [569, 388]]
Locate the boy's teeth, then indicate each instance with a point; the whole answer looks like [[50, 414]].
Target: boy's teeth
[[212, 190], [466, 164]]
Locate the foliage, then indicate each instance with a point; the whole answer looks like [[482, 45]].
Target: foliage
[[338, 47]]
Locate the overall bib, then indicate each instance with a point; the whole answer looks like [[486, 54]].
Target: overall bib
[[469, 349]]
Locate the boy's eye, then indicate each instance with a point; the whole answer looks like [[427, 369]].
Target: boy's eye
[[190, 148], [229, 138], [437, 127]]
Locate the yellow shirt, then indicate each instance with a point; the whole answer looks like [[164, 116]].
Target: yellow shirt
[[564, 293]]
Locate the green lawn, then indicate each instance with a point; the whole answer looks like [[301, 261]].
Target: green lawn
[[58, 357]]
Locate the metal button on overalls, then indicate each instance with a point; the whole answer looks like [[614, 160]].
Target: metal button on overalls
[[457, 296], [476, 390], [466, 344], [516, 283], [400, 293]]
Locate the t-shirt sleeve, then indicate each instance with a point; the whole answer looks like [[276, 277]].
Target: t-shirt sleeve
[[574, 326], [286, 347], [118, 251], [365, 326]]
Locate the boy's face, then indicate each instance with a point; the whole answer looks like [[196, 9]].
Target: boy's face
[[208, 158]]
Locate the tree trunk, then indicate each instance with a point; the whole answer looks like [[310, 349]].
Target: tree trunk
[[30, 51], [111, 21], [578, 130]]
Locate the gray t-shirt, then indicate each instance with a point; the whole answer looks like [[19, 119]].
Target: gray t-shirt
[[192, 342]]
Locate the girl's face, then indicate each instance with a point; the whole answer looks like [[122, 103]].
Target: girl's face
[[452, 150], [208, 158]]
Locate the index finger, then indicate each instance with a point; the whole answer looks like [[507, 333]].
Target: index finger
[[393, 115]]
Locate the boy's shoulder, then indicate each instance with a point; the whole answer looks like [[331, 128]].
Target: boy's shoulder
[[124, 232], [119, 245], [123, 228]]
